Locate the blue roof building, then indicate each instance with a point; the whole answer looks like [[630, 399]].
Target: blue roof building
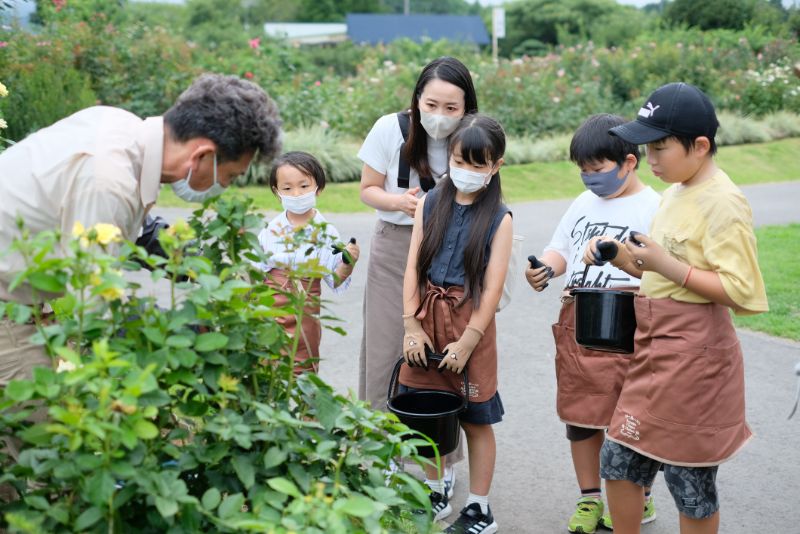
[[372, 29]]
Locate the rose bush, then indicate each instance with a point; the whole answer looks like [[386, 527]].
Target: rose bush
[[187, 417]]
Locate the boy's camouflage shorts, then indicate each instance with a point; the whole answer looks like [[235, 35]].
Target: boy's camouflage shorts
[[693, 488]]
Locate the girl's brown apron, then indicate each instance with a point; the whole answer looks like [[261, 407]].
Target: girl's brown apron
[[307, 356], [683, 398], [589, 381], [444, 324]]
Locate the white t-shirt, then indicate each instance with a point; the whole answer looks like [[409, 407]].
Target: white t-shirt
[[589, 216], [273, 240], [381, 151]]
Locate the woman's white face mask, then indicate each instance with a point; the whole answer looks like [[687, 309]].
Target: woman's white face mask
[[438, 126]]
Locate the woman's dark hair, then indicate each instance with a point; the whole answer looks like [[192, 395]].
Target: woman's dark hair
[[237, 115], [592, 142], [450, 70], [479, 140], [303, 162]]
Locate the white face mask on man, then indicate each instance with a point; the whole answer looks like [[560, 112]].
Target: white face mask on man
[[438, 126], [184, 190], [469, 181], [299, 204]]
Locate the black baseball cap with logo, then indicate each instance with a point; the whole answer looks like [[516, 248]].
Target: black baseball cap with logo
[[675, 109]]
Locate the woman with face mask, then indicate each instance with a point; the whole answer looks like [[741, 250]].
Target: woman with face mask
[[404, 155]]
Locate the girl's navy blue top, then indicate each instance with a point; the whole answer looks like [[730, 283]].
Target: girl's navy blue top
[[447, 267]]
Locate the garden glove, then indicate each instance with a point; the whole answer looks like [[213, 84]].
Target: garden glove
[[414, 341], [647, 255], [538, 274], [456, 354]]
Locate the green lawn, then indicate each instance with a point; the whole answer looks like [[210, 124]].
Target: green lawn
[[746, 164], [779, 257], [775, 161]]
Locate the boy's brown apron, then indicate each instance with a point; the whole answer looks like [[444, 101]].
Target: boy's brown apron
[[311, 331], [683, 398], [589, 381], [444, 324]]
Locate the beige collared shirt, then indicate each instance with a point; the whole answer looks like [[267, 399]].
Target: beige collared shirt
[[100, 164]]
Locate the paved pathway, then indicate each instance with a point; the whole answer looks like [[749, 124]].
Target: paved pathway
[[534, 488]]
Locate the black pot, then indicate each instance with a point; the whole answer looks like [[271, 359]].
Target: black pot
[[604, 319], [429, 412]]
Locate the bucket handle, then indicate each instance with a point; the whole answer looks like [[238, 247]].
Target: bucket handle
[[430, 356]]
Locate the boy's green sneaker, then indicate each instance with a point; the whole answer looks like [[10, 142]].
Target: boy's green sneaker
[[648, 516], [589, 511]]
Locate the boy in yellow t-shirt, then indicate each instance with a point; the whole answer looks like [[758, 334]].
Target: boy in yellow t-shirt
[[682, 403]]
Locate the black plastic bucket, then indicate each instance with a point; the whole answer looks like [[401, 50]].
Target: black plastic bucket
[[429, 412], [605, 319]]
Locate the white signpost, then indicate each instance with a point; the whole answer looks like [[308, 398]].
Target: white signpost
[[498, 28]]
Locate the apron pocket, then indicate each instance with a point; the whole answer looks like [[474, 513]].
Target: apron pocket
[[586, 371], [696, 386]]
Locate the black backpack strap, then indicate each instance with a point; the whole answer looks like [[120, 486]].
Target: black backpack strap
[[403, 168]]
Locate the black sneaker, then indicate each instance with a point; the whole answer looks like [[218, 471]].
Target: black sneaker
[[440, 506], [473, 521]]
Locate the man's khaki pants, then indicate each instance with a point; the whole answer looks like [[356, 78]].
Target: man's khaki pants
[[18, 357]]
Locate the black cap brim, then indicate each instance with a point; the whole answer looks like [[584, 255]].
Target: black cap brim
[[638, 133]]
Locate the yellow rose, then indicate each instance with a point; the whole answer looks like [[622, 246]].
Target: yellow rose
[[78, 229], [181, 230], [227, 382], [107, 233], [3, 90], [112, 293], [3, 124]]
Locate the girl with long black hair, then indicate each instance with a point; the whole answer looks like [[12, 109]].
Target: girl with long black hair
[[457, 263]]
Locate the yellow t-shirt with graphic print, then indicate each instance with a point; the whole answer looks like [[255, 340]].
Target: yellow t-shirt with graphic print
[[709, 226]]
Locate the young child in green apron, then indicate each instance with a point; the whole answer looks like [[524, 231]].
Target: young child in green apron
[[457, 263], [297, 178], [615, 203], [682, 403]]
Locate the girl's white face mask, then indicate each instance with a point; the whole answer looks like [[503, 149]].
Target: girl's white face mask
[[438, 126], [299, 204], [469, 181]]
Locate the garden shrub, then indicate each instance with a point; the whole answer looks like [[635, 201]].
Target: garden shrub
[[188, 418], [737, 130], [335, 152], [783, 124], [47, 86], [3, 123], [142, 68], [520, 150]]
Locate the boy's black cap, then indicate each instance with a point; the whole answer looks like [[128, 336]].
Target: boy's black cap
[[675, 109]]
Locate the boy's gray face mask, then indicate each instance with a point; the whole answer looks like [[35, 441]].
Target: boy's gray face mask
[[603, 184]]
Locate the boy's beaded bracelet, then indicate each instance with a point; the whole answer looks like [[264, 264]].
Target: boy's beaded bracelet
[[688, 273]]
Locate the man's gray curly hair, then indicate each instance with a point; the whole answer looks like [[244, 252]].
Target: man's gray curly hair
[[237, 115]]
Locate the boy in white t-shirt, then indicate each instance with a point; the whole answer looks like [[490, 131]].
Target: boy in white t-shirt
[[589, 382]]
